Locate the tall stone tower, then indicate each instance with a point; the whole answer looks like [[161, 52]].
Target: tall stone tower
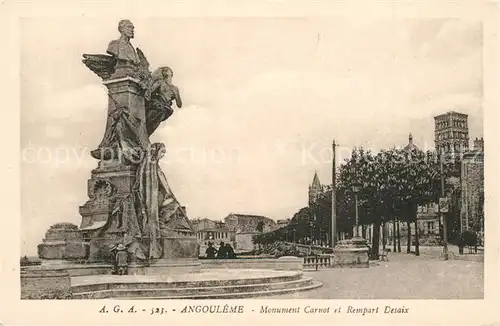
[[314, 189], [451, 132]]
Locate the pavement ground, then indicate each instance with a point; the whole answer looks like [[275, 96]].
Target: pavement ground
[[404, 276]]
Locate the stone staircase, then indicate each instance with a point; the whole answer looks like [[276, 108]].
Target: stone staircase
[[246, 287]]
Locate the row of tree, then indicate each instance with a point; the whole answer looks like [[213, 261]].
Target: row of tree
[[394, 183]]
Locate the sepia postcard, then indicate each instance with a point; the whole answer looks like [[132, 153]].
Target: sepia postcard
[[323, 163]]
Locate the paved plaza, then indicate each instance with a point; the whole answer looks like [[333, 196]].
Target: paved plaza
[[404, 276]]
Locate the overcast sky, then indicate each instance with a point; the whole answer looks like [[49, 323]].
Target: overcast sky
[[263, 99]]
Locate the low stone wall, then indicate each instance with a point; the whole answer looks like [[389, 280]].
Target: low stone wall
[[73, 269], [166, 267], [289, 263], [39, 284]]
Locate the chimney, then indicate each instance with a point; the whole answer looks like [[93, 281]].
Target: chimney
[[184, 210]]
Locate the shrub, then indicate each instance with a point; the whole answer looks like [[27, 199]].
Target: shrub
[[468, 238]]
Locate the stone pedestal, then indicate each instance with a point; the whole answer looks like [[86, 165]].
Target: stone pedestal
[[110, 182], [126, 92], [351, 253], [179, 247], [63, 241], [123, 93], [107, 214]]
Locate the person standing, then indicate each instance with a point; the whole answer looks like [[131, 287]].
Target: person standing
[[121, 259], [112, 259]]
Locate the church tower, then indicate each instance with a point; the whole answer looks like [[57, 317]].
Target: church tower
[[314, 189], [451, 132]]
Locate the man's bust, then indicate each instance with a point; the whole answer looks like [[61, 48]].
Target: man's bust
[[121, 48]]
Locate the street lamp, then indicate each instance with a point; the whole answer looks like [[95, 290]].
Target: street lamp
[[356, 187]]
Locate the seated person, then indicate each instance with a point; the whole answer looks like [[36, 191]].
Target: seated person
[[211, 251], [222, 251], [229, 251]]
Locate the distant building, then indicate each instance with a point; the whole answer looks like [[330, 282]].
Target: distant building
[[204, 223], [451, 132], [246, 226], [208, 230], [216, 236], [315, 189], [472, 194], [282, 223], [411, 146]]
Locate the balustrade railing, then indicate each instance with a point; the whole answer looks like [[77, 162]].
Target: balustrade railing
[[318, 261]]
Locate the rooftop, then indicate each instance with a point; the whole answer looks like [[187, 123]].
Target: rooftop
[[315, 182], [450, 113], [251, 216], [215, 230], [411, 146]]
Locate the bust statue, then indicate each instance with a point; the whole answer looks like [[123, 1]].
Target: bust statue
[[121, 48], [122, 59]]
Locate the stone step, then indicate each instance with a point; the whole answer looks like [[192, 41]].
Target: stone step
[[239, 295], [137, 285], [131, 291]]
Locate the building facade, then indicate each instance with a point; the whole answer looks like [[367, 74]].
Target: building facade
[[246, 226], [215, 236], [204, 223], [215, 232], [472, 194]]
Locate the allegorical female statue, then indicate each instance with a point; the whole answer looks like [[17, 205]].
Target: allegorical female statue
[[159, 98]]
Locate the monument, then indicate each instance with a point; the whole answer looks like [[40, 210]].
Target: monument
[[132, 225], [130, 201]]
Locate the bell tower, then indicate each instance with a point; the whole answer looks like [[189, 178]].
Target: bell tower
[[314, 189], [451, 132]]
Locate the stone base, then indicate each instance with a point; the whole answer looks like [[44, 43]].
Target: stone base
[[213, 284], [63, 241], [351, 253], [178, 247], [72, 268], [289, 263], [166, 267]]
